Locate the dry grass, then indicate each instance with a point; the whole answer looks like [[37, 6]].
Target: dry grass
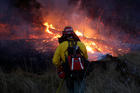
[[27, 83], [99, 81], [108, 82]]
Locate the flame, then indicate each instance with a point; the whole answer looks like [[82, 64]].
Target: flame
[[90, 49], [91, 45], [48, 27], [93, 41], [78, 33], [92, 32]]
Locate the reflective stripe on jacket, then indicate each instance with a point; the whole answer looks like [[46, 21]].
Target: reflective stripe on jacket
[[61, 51]]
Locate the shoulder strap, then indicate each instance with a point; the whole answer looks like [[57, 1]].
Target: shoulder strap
[[74, 48], [68, 44], [67, 50]]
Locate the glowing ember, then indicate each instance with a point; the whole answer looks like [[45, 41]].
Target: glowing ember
[[89, 49], [78, 33], [93, 43]]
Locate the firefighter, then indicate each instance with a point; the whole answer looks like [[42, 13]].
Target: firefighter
[[70, 59]]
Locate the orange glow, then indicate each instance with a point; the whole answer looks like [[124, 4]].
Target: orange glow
[[48, 27], [78, 33], [96, 36], [89, 49], [91, 44], [86, 33]]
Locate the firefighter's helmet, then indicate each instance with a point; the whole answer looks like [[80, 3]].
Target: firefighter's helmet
[[68, 34], [68, 30]]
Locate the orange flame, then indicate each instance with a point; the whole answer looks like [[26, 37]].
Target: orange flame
[[91, 45], [78, 33], [89, 49], [48, 27]]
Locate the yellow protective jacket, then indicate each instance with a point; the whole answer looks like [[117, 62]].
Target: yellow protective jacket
[[61, 51]]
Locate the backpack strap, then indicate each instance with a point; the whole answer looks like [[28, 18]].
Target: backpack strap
[[68, 47], [67, 50], [74, 45]]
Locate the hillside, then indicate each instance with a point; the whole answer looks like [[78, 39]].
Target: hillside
[[101, 80]]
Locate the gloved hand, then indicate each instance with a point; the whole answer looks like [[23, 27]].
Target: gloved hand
[[61, 72]]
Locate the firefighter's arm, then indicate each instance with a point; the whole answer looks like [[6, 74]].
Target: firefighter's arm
[[56, 57]]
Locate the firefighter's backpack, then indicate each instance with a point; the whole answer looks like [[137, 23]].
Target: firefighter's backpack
[[75, 61]]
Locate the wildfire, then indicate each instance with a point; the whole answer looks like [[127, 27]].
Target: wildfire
[[50, 27], [93, 41], [92, 45]]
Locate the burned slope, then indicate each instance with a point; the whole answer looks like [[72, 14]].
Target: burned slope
[[22, 54]]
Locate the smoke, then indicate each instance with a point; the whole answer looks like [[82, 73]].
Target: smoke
[[16, 10], [122, 17], [120, 14], [17, 17], [97, 19], [56, 11], [20, 17], [112, 21]]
